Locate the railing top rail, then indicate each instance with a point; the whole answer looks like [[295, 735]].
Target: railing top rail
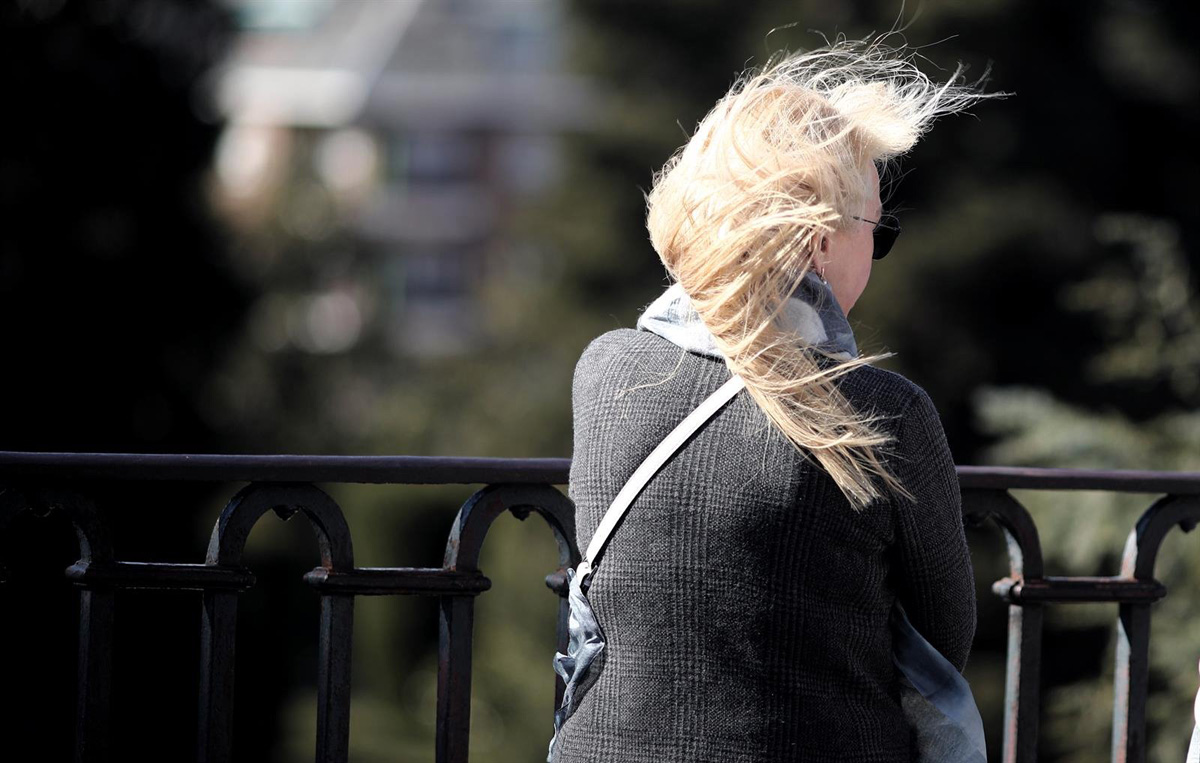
[[1114, 480], [447, 470], [394, 470]]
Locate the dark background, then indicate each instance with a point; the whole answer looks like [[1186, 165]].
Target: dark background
[[1043, 293]]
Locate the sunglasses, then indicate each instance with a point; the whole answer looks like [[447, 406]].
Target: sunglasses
[[887, 228]]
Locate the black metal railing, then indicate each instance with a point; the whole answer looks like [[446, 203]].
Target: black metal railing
[[46, 482]]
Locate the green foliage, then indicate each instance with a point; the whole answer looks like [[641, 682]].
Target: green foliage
[[1151, 318]]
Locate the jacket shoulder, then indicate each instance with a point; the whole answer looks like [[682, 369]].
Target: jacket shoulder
[[624, 347], [877, 391], [619, 342]]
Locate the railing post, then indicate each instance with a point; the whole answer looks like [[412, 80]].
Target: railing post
[[1133, 625], [1022, 700], [456, 615], [333, 677], [1131, 683], [220, 618], [94, 693], [1022, 686], [92, 719], [214, 742]]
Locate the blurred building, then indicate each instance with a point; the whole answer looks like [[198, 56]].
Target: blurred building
[[423, 123]]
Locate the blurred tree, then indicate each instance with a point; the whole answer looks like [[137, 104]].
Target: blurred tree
[[115, 299], [1151, 316]]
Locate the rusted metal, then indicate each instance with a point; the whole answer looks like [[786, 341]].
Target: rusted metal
[[557, 581], [392, 581], [163, 577], [1079, 589], [1022, 688], [48, 482], [1133, 624]]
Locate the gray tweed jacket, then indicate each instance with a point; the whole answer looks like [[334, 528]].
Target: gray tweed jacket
[[745, 603]]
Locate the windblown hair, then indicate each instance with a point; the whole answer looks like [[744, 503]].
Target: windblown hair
[[737, 213]]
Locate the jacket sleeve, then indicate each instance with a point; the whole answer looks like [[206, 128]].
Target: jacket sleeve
[[932, 565]]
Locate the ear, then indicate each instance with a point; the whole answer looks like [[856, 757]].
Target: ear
[[824, 245]]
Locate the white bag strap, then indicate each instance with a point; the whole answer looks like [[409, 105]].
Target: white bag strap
[[648, 468]]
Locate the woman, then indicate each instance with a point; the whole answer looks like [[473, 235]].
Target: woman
[[746, 597]]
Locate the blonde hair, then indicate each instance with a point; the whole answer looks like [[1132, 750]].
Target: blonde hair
[[735, 215]]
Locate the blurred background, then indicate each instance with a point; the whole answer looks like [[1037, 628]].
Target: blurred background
[[391, 227]]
